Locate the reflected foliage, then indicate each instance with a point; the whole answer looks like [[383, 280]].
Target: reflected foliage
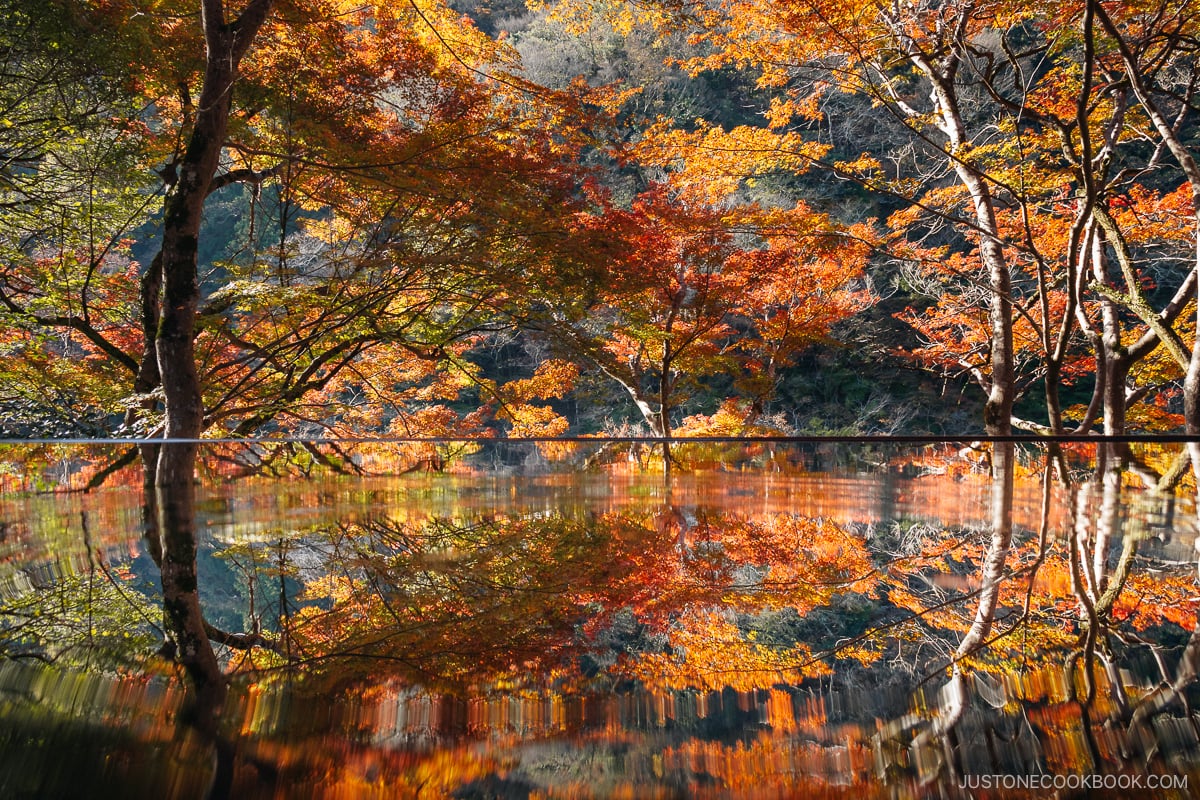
[[698, 632]]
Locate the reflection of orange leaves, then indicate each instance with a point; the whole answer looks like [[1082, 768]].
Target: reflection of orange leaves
[[1053, 582], [772, 767], [809, 561], [337, 588], [710, 652], [444, 770], [902, 597], [930, 611], [839, 557], [1152, 599], [363, 773]]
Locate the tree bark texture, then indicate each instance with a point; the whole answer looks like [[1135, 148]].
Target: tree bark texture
[[1191, 169], [941, 71], [225, 44]]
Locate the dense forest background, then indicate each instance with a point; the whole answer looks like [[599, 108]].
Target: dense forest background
[[326, 219]]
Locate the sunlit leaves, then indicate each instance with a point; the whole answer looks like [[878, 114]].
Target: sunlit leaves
[[71, 195], [710, 164]]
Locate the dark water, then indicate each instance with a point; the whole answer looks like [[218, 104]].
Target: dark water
[[573, 620]]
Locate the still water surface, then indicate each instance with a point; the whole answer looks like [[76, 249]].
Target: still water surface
[[757, 621]]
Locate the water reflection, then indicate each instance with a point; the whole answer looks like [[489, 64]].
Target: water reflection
[[897, 622]]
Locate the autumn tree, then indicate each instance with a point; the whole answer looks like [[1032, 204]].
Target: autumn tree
[[1151, 49], [425, 189], [410, 191], [1062, 161], [691, 291]]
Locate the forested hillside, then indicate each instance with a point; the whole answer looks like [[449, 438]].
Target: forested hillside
[[317, 218]]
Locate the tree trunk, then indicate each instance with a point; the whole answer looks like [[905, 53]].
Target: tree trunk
[[1116, 369], [1191, 381], [1115, 363], [1191, 169], [664, 393], [997, 411], [997, 414], [225, 45], [1054, 410]]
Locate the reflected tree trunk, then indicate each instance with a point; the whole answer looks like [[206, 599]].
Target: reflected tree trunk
[[181, 600], [1108, 583], [954, 694], [1174, 688], [1109, 519], [150, 530], [1084, 582], [997, 553], [169, 512], [149, 455], [1142, 732]]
